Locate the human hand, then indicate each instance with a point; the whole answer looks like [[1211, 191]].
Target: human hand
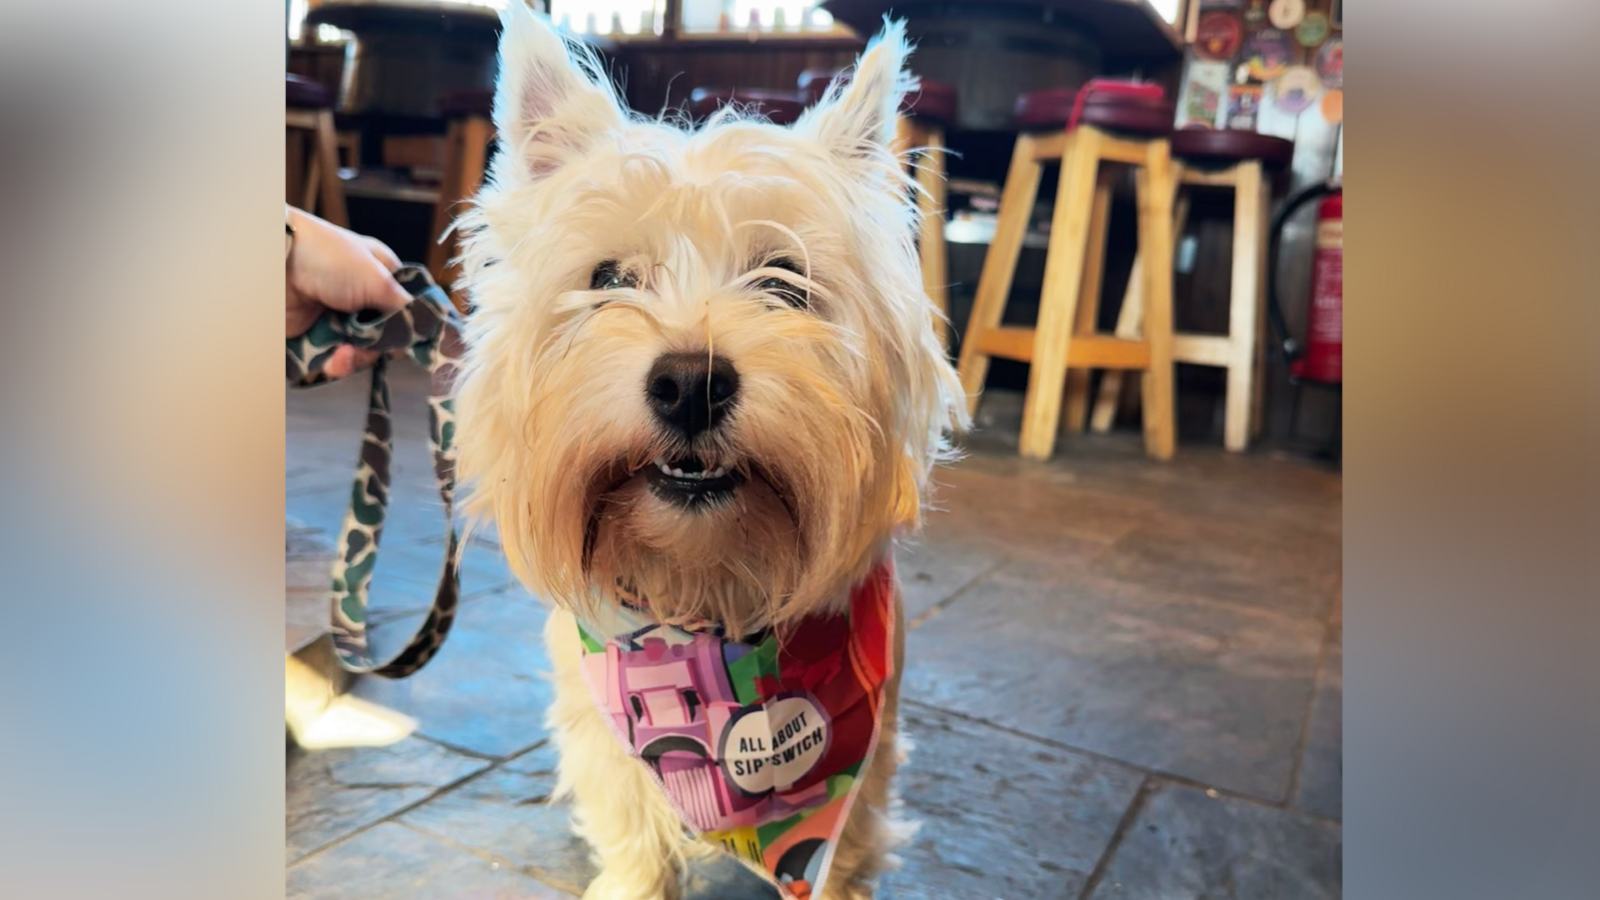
[[335, 268]]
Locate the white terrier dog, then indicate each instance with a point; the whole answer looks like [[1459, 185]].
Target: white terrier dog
[[703, 384]]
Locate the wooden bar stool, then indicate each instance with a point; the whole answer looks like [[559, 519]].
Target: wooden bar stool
[[1240, 161], [1080, 133], [924, 116], [313, 176], [468, 132]]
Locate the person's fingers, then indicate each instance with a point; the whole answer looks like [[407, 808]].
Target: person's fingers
[[335, 267], [348, 360], [383, 292], [382, 252]]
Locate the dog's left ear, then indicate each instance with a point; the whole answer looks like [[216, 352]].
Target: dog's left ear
[[857, 120]]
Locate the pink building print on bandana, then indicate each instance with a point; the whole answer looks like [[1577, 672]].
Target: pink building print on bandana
[[668, 694]]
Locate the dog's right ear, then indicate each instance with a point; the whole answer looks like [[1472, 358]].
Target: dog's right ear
[[553, 99]]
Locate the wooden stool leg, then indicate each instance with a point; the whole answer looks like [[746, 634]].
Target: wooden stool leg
[[1155, 190], [931, 245], [1130, 318], [466, 157], [327, 149], [450, 193], [350, 147], [1058, 300], [1243, 339], [474, 159], [312, 188], [1094, 268], [904, 137], [999, 265], [1259, 400], [294, 155]]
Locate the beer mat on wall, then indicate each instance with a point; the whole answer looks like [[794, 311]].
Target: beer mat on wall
[[1286, 14], [1202, 102], [1330, 63], [1312, 30], [1297, 89], [1267, 53], [1244, 101], [1333, 106], [1218, 36]]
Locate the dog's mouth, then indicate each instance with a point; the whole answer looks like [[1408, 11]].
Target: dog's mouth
[[685, 481]]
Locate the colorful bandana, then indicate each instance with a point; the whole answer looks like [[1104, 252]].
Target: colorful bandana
[[757, 746]]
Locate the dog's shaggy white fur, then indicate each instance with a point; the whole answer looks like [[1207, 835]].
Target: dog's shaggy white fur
[[603, 241]]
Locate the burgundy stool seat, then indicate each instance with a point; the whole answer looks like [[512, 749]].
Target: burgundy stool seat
[[465, 104], [1227, 146], [933, 100], [1052, 108], [779, 107], [303, 93]]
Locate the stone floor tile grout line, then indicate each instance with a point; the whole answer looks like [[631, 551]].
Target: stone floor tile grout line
[[444, 789], [1303, 740], [956, 594], [465, 751], [379, 617], [488, 856], [1157, 774], [1221, 603], [513, 757], [1147, 786]]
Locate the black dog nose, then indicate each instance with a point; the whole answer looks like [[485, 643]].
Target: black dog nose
[[691, 393]]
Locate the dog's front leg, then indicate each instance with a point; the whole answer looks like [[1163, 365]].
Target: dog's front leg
[[872, 832], [617, 808]]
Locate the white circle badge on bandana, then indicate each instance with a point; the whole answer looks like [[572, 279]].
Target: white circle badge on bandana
[[770, 747]]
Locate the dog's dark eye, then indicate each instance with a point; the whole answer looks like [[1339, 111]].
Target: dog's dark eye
[[782, 288], [609, 276]]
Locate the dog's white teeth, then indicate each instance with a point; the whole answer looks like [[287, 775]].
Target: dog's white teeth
[[702, 475]]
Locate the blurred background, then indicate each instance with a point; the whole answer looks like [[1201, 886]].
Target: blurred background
[[397, 72], [1125, 650]]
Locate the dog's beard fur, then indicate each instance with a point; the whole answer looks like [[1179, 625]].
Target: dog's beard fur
[[843, 404]]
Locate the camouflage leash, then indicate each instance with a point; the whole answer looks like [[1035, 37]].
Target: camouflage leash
[[429, 331]]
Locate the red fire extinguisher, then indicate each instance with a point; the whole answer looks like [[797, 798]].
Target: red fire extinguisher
[[1324, 359], [1320, 360]]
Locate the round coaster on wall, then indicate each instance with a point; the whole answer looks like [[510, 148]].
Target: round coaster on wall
[[1267, 53], [1217, 37], [1296, 89], [1333, 106], [1286, 14], [1312, 30], [1330, 63]]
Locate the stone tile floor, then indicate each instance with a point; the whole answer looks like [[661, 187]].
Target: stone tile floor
[[1123, 681]]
